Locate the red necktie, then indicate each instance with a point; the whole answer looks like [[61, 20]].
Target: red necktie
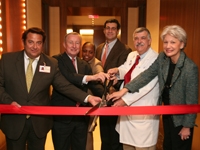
[[73, 61], [127, 76], [103, 59]]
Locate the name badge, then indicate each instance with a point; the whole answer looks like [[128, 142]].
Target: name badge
[[45, 69]]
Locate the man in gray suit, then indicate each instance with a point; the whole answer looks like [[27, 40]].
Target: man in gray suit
[[112, 53], [32, 129]]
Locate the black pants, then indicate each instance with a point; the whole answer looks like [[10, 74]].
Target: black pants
[[70, 135], [172, 139], [27, 139], [109, 136]]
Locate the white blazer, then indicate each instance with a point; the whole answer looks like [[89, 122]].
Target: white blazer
[[139, 130]]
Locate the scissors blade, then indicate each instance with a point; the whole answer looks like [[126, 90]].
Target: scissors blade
[[93, 108], [93, 124], [104, 101], [100, 104]]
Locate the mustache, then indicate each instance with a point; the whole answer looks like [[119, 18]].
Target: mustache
[[140, 44]]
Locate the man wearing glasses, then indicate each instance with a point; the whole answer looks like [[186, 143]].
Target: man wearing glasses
[[112, 53]]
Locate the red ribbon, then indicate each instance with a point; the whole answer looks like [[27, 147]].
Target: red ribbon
[[104, 111]]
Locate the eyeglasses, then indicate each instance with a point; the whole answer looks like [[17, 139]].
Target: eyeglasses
[[112, 29]]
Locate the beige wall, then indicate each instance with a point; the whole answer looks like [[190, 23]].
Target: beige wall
[[132, 25], [34, 13], [152, 21], [34, 19], [54, 31]]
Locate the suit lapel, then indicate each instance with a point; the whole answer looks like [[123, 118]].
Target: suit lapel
[[175, 75], [99, 52], [21, 71], [165, 67], [113, 52], [81, 67], [38, 75], [68, 62], [148, 57], [178, 67]]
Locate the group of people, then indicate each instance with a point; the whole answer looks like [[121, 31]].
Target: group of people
[[149, 79]]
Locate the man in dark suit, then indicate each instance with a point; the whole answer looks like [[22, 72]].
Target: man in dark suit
[[112, 53], [14, 89], [70, 132]]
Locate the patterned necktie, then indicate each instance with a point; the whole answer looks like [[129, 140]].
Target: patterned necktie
[[127, 77], [103, 59], [29, 74], [73, 61]]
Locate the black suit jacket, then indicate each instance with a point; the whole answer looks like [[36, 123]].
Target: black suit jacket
[[13, 88], [68, 71], [116, 57]]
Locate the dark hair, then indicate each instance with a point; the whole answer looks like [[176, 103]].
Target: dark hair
[[34, 30], [89, 43], [112, 21]]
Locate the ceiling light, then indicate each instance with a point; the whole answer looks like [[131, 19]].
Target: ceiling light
[[86, 31], [93, 16]]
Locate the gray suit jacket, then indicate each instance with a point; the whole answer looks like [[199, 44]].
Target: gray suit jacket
[[184, 84], [13, 88]]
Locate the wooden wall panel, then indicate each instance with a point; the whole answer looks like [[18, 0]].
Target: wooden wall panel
[[196, 57], [186, 14], [63, 25], [174, 12], [99, 36], [3, 22], [196, 36], [14, 27]]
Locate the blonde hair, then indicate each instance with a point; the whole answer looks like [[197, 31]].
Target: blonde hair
[[72, 33], [175, 31]]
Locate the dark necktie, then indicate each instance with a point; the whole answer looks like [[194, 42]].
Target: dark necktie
[[127, 76]]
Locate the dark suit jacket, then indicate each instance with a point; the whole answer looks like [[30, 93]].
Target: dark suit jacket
[[68, 71], [13, 88], [116, 57]]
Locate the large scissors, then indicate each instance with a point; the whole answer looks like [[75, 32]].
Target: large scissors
[[103, 103]]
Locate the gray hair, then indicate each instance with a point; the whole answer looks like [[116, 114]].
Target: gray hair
[[175, 31], [72, 33], [141, 29]]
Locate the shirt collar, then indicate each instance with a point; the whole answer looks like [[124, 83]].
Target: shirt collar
[[143, 55], [27, 58], [111, 44]]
